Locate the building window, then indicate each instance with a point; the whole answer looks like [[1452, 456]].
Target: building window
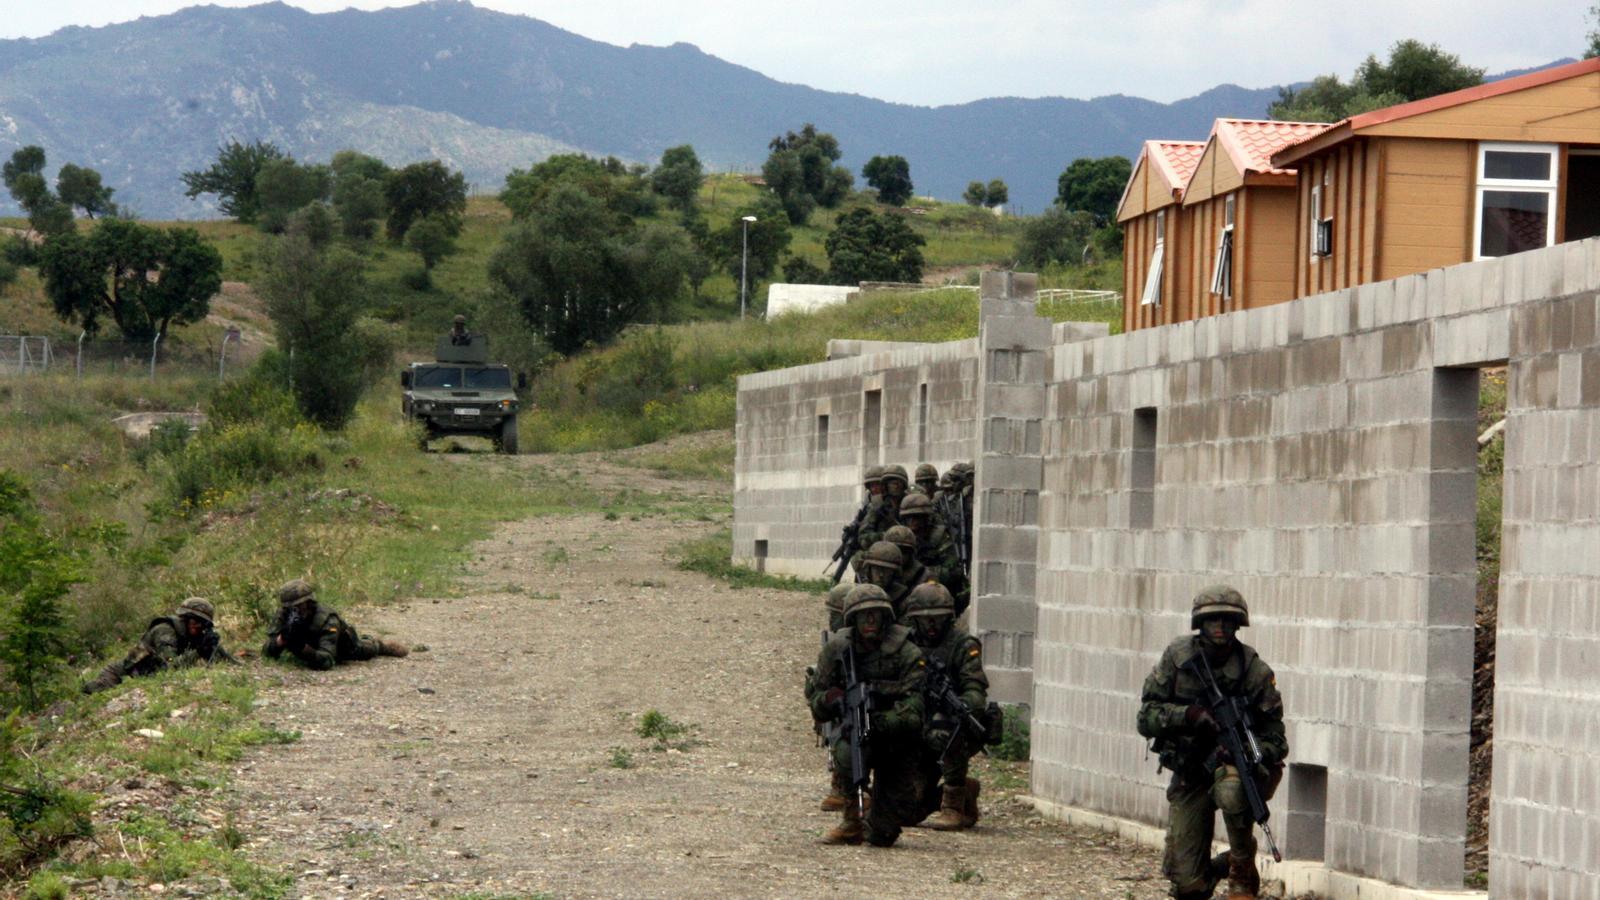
[[1516, 198], [1321, 225], [822, 435], [1222, 266], [1152, 279]]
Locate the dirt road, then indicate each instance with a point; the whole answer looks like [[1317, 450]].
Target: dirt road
[[504, 761]]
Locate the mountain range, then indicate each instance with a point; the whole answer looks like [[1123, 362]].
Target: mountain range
[[485, 92]]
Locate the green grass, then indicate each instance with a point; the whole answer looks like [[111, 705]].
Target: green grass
[[709, 556], [712, 462]]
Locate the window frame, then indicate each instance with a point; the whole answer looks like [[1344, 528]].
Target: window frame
[[1151, 295], [1222, 275], [1319, 223], [1548, 187]]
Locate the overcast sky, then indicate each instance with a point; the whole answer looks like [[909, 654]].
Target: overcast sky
[[934, 52]]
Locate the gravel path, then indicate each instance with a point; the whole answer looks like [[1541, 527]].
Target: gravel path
[[492, 765]]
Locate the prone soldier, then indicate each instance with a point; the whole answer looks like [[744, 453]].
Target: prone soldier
[[316, 635], [1177, 715], [886, 691], [956, 727], [185, 638]]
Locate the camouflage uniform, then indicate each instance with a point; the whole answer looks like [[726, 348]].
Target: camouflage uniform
[[320, 639], [927, 480], [881, 516], [912, 572], [834, 604], [1173, 716], [936, 549], [880, 565], [948, 648], [166, 643], [894, 670]]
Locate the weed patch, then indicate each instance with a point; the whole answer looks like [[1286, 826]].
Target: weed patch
[[709, 556], [667, 734], [1015, 743]]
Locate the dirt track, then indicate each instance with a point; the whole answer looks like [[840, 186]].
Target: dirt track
[[485, 765]]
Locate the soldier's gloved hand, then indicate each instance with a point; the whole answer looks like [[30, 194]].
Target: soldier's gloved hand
[[1198, 717]]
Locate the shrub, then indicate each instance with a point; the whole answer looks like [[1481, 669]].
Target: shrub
[[35, 574], [1015, 742], [36, 814], [220, 459], [261, 396]]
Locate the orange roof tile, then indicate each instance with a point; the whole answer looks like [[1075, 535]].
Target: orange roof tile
[[1252, 142], [1176, 159]]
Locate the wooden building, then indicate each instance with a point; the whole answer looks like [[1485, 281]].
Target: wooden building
[[1237, 210], [1494, 169], [1150, 213]]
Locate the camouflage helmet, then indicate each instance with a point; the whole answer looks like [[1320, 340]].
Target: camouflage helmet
[[1219, 600], [883, 555], [198, 608], [904, 538], [927, 472], [460, 320], [836, 597], [916, 505], [873, 475], [864, 597], [961, 471], [295, 592], [930, 599], [896, 471]]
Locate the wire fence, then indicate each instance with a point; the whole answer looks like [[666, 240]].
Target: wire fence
[[37, 354]]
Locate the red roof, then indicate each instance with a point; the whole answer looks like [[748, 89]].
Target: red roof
[[1176, 159], [1251, 142]]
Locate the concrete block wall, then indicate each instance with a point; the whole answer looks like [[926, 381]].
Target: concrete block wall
[[1319, 455], [795, 496]]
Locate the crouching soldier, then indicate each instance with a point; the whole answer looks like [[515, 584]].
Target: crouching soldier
[[1205, 776], [891, 670], [315, 635], [834, 604], [185, 638], [955, 662]]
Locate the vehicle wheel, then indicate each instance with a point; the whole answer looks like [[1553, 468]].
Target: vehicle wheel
[[507, 441]]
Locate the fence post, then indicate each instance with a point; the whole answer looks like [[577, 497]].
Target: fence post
[[232, 334], [155, 345], [22, 354], [81, 335]]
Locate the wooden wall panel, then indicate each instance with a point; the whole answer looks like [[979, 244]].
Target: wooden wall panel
[[1268, 250], [1428, 190], [1566, 111]]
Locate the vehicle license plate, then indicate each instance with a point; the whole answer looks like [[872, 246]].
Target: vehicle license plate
[[466, 410]]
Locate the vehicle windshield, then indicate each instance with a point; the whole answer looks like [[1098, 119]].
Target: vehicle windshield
[[438, 377], [486, 379]]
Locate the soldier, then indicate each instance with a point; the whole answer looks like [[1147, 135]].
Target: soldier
[[895, 483], [882, 513], [880, 565], [931, 614], [936, 550], [893, 669], [185, 638], [911, 573], [1204, 776], [834, 604], [459, 336], [927, 479], [315, 635]]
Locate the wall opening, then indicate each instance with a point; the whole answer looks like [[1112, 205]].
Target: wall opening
[[922, 422], [1583, 195], [1489, 447], [761, 556], [872, 427], [1305, 827], [1142, 468], [822, 435]]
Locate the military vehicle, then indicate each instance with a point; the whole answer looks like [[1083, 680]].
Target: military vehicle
[[461, 392]]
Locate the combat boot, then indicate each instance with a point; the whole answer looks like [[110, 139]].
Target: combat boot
[[834, 802], [951, 815], [969, 812], [109, 677], [1244, 882], [850, 830], [393, 648]]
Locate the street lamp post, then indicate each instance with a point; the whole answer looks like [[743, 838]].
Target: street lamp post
[[744, 262]]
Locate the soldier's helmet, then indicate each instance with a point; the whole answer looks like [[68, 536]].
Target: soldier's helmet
[[874, 474], [460, 320], [198, 608], [1219, 600], [962, 471], [296, 591], [896, 471], [837, 595], [927, 472], [930, 599], [864, 597], [904, 538], [883, 555], [916, 505]]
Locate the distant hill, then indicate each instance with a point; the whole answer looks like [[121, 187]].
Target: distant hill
[[486, 91]]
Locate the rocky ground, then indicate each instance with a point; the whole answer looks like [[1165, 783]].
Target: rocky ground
[[504, 760]]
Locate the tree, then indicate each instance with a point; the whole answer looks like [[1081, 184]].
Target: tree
[[679, 175], [891, 175], [1594, 35], [24, 178], [315, 222], [233, 178], [35, 574], [146, 279], [799, 270], [423, 189], [864, 246], [430, 237], [1058, 236], [1094, 186], [976, 194], [314, 298], [1413, 71], [621, 190], [768, 237], [283, 186], [801, 171], [358, 183], [579, 271], [996, 194], [81, 187]]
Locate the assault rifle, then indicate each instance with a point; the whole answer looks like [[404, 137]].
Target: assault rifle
[[940, 689], [855, 708], [290, 623], [827, 732], [954, 513], [847, 541], [1234, 734]]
